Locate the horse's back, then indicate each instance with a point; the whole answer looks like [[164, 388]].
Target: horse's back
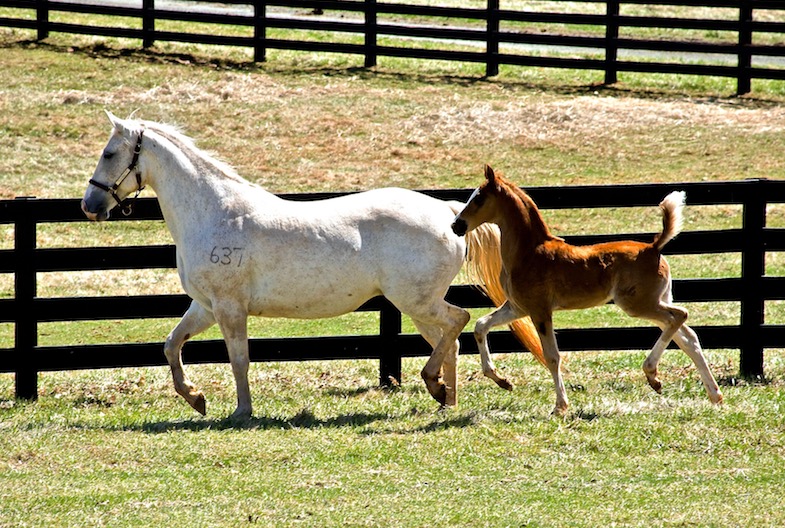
[[326, 257]]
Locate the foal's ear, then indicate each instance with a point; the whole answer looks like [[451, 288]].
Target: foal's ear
[[490, 175]]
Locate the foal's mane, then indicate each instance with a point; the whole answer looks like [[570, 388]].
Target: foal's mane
[[524, 204], [202, 160]]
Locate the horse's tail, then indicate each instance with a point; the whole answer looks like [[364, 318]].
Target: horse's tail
[[672, 220], [484, 267]]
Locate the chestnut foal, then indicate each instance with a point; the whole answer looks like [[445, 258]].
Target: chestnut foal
[[542, 273]]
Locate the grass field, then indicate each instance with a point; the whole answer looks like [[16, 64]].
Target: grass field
[[326, 446]]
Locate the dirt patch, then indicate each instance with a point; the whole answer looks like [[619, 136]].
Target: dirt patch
[[582, 116]]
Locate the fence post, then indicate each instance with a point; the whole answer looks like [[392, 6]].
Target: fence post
[[744, 81], [148, 23], [611, 41], [753, 268], [370, 33], [26, 327], [260, 31], [390, 356], [42, 18], [492, 39]]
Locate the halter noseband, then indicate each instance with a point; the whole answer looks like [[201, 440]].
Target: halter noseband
[[126, 204]]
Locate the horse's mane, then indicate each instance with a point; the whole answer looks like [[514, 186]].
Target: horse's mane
[[201, 159]]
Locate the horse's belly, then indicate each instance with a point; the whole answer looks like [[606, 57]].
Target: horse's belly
[[314, 302]]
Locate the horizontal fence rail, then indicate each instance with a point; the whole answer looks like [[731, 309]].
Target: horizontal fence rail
[[26, 310], [489, 35]]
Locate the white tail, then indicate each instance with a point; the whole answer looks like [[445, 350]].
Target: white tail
[[672, 219]]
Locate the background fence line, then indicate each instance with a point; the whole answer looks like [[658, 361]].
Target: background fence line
[[26, 310], [368, 21]]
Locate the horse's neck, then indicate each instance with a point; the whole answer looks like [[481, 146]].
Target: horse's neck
[[189, 193], [522, 226]]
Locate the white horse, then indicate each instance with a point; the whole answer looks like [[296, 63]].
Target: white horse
[[243, 251]]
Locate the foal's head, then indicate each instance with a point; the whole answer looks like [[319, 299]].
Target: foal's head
[[117, 175], [482, 204]]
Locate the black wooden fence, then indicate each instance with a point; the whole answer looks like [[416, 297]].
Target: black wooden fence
[[501, 36], [26, 310]]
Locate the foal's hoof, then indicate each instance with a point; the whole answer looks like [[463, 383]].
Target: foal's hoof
[[717, 399], [504, 384]]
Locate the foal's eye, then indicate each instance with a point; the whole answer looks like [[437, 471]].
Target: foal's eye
[[108, 155], [479, 200]]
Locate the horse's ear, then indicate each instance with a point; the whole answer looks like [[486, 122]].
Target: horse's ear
[[116, 122]]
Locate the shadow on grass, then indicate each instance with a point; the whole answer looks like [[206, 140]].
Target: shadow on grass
[[154, 56], [305, 419]]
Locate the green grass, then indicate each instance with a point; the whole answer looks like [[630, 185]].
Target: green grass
[[326, 446]]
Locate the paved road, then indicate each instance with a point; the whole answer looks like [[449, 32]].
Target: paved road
[[631, 55]]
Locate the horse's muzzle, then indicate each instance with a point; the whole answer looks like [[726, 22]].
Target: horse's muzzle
[[98, 216], [459, 227]]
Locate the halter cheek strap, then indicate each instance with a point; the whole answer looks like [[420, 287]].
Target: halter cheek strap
[[125, 204]]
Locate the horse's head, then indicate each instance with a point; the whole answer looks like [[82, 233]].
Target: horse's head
[[110, 184], [481, 205]]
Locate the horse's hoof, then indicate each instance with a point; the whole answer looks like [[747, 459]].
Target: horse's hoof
[[200, 404], [655, 384], [718, 399], [440, 394], [240, 416]]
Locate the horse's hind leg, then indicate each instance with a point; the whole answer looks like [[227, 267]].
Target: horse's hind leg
[[433, 335], [451, 319], [688, 341], [195, 321]]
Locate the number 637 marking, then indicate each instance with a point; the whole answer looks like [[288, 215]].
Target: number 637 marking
[[226, 256]]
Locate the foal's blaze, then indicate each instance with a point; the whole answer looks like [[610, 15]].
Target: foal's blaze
[[542, 273]]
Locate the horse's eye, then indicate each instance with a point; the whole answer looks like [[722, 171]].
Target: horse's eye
[[479, 199], [108, 155]]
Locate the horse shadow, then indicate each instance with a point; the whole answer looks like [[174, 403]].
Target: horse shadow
[[305, 419]]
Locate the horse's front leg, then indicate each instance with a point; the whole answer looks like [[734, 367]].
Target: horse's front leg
[[502, 315], [233, 321], [195, 321]]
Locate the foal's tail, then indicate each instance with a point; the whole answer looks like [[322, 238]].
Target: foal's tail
[[484, 266], [672, 220]]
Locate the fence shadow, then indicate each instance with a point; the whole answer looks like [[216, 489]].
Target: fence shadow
[[154, 56]]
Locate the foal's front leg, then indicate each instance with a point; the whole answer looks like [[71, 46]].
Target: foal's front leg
[[505, 314], [552, 356]]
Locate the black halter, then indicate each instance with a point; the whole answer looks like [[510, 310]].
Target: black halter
[[126, 205]]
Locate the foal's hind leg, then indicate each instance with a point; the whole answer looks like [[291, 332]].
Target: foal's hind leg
[[688, 341], [501, 316], [196, 320], [669, 318]]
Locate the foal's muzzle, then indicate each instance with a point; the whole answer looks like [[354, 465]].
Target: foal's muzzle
[[459, 227]]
